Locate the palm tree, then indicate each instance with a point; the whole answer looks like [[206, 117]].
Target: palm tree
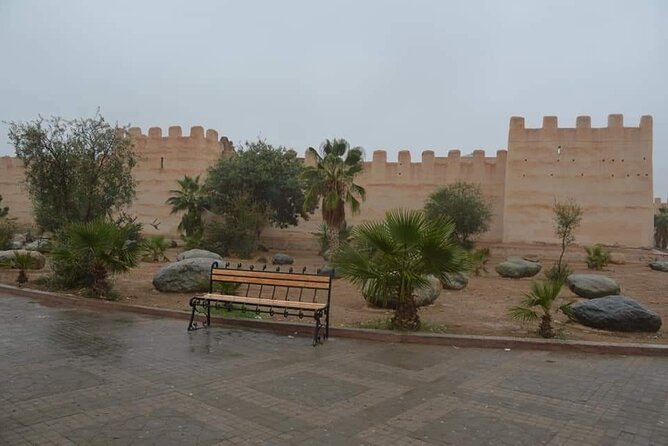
[[22, 261], [88, 252], [543, 295], [394, 256], [190, 199], [332, 181], [661, 228]]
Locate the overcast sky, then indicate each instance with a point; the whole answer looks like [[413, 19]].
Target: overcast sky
[[383, 74]]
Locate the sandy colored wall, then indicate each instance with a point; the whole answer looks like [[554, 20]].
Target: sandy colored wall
[[608, 171], [162, 160], [407, 184], [13, 190]]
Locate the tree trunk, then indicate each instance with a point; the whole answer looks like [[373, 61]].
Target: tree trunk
[[545, 328], [406, 315], [22, 278], [332, 239], [99, 286]]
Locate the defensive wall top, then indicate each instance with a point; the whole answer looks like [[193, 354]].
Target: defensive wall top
[[615, 121]]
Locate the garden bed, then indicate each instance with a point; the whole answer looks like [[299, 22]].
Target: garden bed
[[479, 309]]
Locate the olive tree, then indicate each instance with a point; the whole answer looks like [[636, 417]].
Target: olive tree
[[76, 170]]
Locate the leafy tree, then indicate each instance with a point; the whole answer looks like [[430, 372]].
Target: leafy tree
[[543, 296], [7, 231], [661, 228], [332, 183], [393, 258], [268, 175], [3, 210], [597, 257], [191, 199], [465, 205], [76, 170], [567, 217], [238, 233], [85, 253]]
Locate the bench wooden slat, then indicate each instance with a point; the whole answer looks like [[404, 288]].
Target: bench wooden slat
[[274, 282], [270, 275], [278, 303]]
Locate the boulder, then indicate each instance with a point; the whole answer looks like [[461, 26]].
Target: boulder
[[531, 258], [659, 265], [617, 258], [517, 267], [198, 254], [592, 286], [282, 259], [328, 270], [617, 313], [184, 276], [38, 259], [455, 281], [423, 296], [41, 245]]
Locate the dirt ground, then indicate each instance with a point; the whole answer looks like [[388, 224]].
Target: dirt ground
[[479, 309]]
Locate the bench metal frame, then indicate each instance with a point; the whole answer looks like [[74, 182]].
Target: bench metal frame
[[279, 304]]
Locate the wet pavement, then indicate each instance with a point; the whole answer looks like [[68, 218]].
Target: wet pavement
[[70, 376]]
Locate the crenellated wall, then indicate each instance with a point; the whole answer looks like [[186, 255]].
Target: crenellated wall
[[607, 170], [161, 161]]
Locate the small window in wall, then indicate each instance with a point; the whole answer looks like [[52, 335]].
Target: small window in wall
[[162, 162]]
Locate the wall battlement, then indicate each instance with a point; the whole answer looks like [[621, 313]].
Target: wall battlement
[[607, 170]]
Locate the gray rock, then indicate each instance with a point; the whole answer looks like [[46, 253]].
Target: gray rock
[[41, 245], [14, 244], [659, 265], [592, 286], [616, 313], [423, 296], [328, 270], [198, 254], [517, 267], [455, 281], [282, 259], [185, 276], [6, 257]]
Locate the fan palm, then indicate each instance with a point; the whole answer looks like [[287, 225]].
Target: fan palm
[[190, 198], [393, 257], [22, 261], [332, 182], [153, 249], [661, 228], [543, 296], [86, 253]]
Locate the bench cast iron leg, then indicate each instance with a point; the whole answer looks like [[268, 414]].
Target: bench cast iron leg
[[316, 332], [327, 323], [191, 327]]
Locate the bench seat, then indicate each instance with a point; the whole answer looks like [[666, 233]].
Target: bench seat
[[277, 303]]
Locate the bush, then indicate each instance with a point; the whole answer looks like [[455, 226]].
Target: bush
[[153, 249], [558, 273], [240, 231], [85, 253], [22, 261], [7, 231], [323, 240], [464, 204], [478, 259], [597, 257]]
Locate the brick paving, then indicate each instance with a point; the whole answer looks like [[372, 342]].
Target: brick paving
[[70, 376]]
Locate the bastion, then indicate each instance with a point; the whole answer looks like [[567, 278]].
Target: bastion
[[607, 171]]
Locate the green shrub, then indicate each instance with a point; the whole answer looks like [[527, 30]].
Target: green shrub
[[153, 249], [7, 231], [323, 240], [558, 274], [22, 261], [597, 257], [85, 253], [478, 259]]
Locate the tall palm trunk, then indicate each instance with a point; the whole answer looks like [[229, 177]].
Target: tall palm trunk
[[333, 238], [100, 286]]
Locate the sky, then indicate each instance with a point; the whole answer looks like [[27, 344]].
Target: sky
[[383, 74]]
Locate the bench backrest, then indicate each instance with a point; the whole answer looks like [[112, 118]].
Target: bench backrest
[[276, 285]]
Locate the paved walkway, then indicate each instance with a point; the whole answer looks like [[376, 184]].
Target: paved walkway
[[70, 376]]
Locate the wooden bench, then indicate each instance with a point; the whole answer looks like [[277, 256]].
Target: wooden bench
[[261, 291]]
